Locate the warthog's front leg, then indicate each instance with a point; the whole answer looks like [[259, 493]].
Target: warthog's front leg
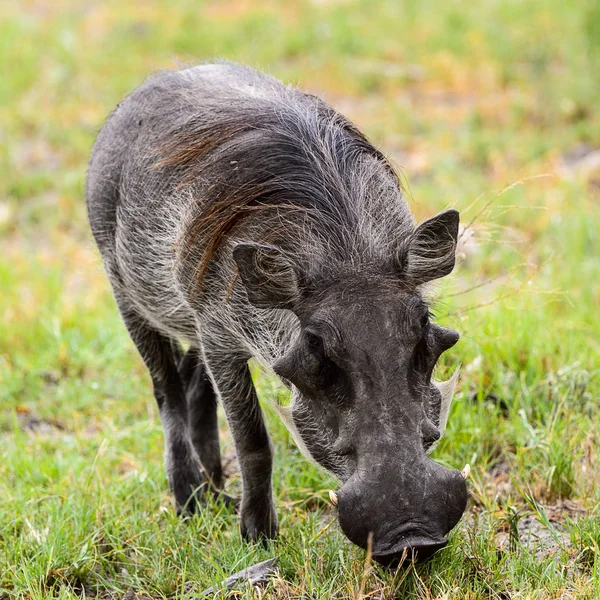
[[232, 379], [184, 470]]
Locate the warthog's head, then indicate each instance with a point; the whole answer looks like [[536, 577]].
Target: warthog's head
[[365, 405]]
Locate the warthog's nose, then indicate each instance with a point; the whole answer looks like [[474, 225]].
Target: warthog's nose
[[418, 548], [402, 518]]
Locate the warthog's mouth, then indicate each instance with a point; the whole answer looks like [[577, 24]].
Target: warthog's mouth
[[407, 543], [416, 548]]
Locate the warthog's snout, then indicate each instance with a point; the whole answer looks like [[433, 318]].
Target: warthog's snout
[[407, 514]]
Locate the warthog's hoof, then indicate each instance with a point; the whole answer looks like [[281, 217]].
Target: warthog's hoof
[[259, 522]]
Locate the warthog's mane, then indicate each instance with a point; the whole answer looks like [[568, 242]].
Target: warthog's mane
[[287, 166]]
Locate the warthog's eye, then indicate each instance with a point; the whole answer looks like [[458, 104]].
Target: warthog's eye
[[313, 341], [425, 319]]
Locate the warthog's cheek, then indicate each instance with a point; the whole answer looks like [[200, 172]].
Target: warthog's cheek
[[316, 435]]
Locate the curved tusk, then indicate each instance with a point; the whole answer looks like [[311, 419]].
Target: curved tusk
[[466, 470], [333, 497], [446, 389]]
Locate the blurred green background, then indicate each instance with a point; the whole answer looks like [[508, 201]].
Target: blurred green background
[[489, 107]]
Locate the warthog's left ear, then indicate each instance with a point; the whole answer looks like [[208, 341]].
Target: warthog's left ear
[[268, 276], [430, 252]]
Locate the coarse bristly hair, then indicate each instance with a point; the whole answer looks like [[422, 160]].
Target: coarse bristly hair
[[219, 154], [271, 163]]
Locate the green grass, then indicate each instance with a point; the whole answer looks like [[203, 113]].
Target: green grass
[[486, 107]]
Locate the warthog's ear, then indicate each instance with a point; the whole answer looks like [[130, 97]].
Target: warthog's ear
[[268, 276], [430, 252]]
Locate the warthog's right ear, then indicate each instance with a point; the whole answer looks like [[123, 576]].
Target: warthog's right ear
[[268, 276], [430, 252]]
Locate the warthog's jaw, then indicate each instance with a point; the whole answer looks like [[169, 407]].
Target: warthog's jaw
[[446, 390]]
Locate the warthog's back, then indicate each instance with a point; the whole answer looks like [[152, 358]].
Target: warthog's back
[[136, 211], [195, 158]]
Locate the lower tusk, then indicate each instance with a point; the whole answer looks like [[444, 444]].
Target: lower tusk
[[466, 470], [333, 497]]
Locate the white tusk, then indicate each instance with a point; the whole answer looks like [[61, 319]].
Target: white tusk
[[466, 470], [446, 389], [333, 497]]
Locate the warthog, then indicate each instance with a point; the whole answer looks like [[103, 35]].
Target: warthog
[[247, 219]]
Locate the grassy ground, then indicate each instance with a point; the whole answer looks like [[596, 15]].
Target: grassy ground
[[491, 107]]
